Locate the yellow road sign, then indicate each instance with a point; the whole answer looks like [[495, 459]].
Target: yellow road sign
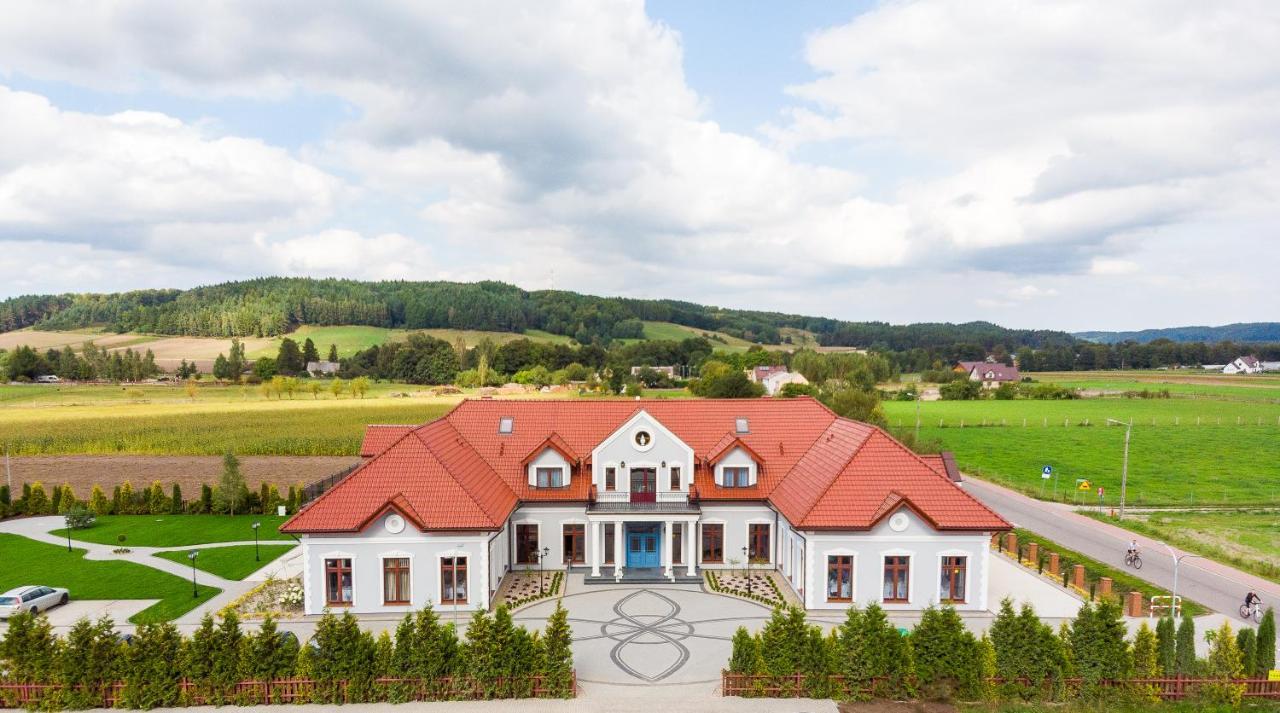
[[1273, 675], [1084, 485]]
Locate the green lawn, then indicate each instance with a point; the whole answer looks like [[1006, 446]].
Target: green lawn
[[234, 562], [30, 562], [1121, 581], [1174, 462], [1248, 539], [177, 530]]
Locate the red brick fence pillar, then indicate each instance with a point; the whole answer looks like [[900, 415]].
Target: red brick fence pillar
[[1133, 607], [1053, 564], [1077, 576]]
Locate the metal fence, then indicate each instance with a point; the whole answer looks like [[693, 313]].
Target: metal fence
[[313, 490]]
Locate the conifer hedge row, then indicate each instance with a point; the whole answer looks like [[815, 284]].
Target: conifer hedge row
[[1020, 658], [220, 663]]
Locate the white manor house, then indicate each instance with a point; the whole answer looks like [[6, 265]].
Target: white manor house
[[629, 491]]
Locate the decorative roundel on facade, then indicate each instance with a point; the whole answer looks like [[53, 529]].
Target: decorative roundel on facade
[[898, 522], [394, 524], [643, 440]]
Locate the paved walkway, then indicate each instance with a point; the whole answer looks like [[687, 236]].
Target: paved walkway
[[38, 528]]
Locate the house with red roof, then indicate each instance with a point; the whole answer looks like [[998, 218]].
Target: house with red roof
[[621, 491], [990, 372]]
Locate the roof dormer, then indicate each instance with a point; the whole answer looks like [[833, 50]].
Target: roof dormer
[[734, 464], [550, 464]]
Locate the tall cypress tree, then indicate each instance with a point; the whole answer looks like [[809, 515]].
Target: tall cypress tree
[[1185, 662], [1166, 646], [1265, 659]]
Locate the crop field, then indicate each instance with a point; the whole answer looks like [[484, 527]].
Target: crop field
[[27, 561], [300, 427], [1183, 451]]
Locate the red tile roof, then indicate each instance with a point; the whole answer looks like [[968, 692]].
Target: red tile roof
[[459, 472], [378, 437]]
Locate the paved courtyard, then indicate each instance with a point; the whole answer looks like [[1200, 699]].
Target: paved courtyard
[[650, 635]]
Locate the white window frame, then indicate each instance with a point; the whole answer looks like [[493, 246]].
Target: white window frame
[[853, 573], [911, 577], [563, 480], [382, 576], [455, 552], [968, 575]]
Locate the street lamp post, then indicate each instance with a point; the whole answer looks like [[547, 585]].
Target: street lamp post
[[256, 525], [542, 555], [1177, 560], [746, 560], [1124, 470], [192, 555]]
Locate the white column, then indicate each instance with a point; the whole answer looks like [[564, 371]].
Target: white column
[[596, 548], [691, 544], [617, 549], [667, 536]]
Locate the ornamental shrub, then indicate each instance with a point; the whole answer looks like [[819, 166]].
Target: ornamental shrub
[[557, 656], [342, 652], [157, 503], [783, 641], [745, 658], [67, 502], [37, 501], [1185, 656], [1098, 648], [225, 669], [1145, 664], [88, 661], [1026, 648], [269, 653], [152, 666], [873, 656], [98, 502], [29, 650], [1166, 646], [56, 500], [197, 660], [946, 656], [175, 500], [1247, 642], [1224, 663], [1266, 656]]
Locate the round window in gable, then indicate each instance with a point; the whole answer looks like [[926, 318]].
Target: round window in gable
[[394, 524], [898, 522], [643, 440]]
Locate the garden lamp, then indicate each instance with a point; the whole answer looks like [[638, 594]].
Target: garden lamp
[[192, 555]]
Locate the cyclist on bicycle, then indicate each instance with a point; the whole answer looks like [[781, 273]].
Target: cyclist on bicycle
[[1133, 548], [1252, 600]]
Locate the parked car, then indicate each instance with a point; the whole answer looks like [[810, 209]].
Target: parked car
[[47, 379], [31, 599]]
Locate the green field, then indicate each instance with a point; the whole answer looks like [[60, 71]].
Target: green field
[[30, 562], [1248, 539], [1121, 581], [1227, 459], [351, 339], [234, 562], [177, 530]]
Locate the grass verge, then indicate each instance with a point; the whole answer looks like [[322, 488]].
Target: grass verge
[[1250, 538], [177, 530], [29, 562], [1121, 581], [234, 562]]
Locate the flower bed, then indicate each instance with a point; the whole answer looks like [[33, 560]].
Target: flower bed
[[281, 598], [759, 588], [527, 588]]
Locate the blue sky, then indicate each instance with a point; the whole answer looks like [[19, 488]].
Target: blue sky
[[926, 160]]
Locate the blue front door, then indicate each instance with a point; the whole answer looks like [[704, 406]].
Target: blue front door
[[642, 546]]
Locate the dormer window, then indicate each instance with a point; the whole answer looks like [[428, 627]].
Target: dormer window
[[736, 476], [506, 424], [550, 477], [740, 425]]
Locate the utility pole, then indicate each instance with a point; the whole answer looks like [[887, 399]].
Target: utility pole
[[1124, 471], [917, 441], [8, 474]]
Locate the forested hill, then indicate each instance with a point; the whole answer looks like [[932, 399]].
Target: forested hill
[[1239, 332], [275, 305]]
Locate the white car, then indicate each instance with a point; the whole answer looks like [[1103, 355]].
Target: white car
[[32, 599]]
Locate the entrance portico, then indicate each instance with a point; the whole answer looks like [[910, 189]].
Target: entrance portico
[[653, 537]]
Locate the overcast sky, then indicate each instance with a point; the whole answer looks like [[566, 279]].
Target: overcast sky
[[1072, 165]]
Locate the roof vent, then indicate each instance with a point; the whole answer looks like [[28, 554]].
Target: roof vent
[[506, 424], [740, 425]]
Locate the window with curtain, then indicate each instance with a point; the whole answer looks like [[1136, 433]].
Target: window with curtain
[[395, 580], [453, 580]]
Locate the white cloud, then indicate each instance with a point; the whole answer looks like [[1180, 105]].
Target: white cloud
[[1112, 266], [336, 252]]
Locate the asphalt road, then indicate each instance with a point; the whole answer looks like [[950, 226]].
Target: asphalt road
[[1215, 585]]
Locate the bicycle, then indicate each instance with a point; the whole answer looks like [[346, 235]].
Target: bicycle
[[1251, 611], [1133, 559]]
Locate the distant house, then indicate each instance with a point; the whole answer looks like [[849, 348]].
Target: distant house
[[670, 371], [323, 368], [774, 382], [758, 374], [1243, 365], [990, 372]]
